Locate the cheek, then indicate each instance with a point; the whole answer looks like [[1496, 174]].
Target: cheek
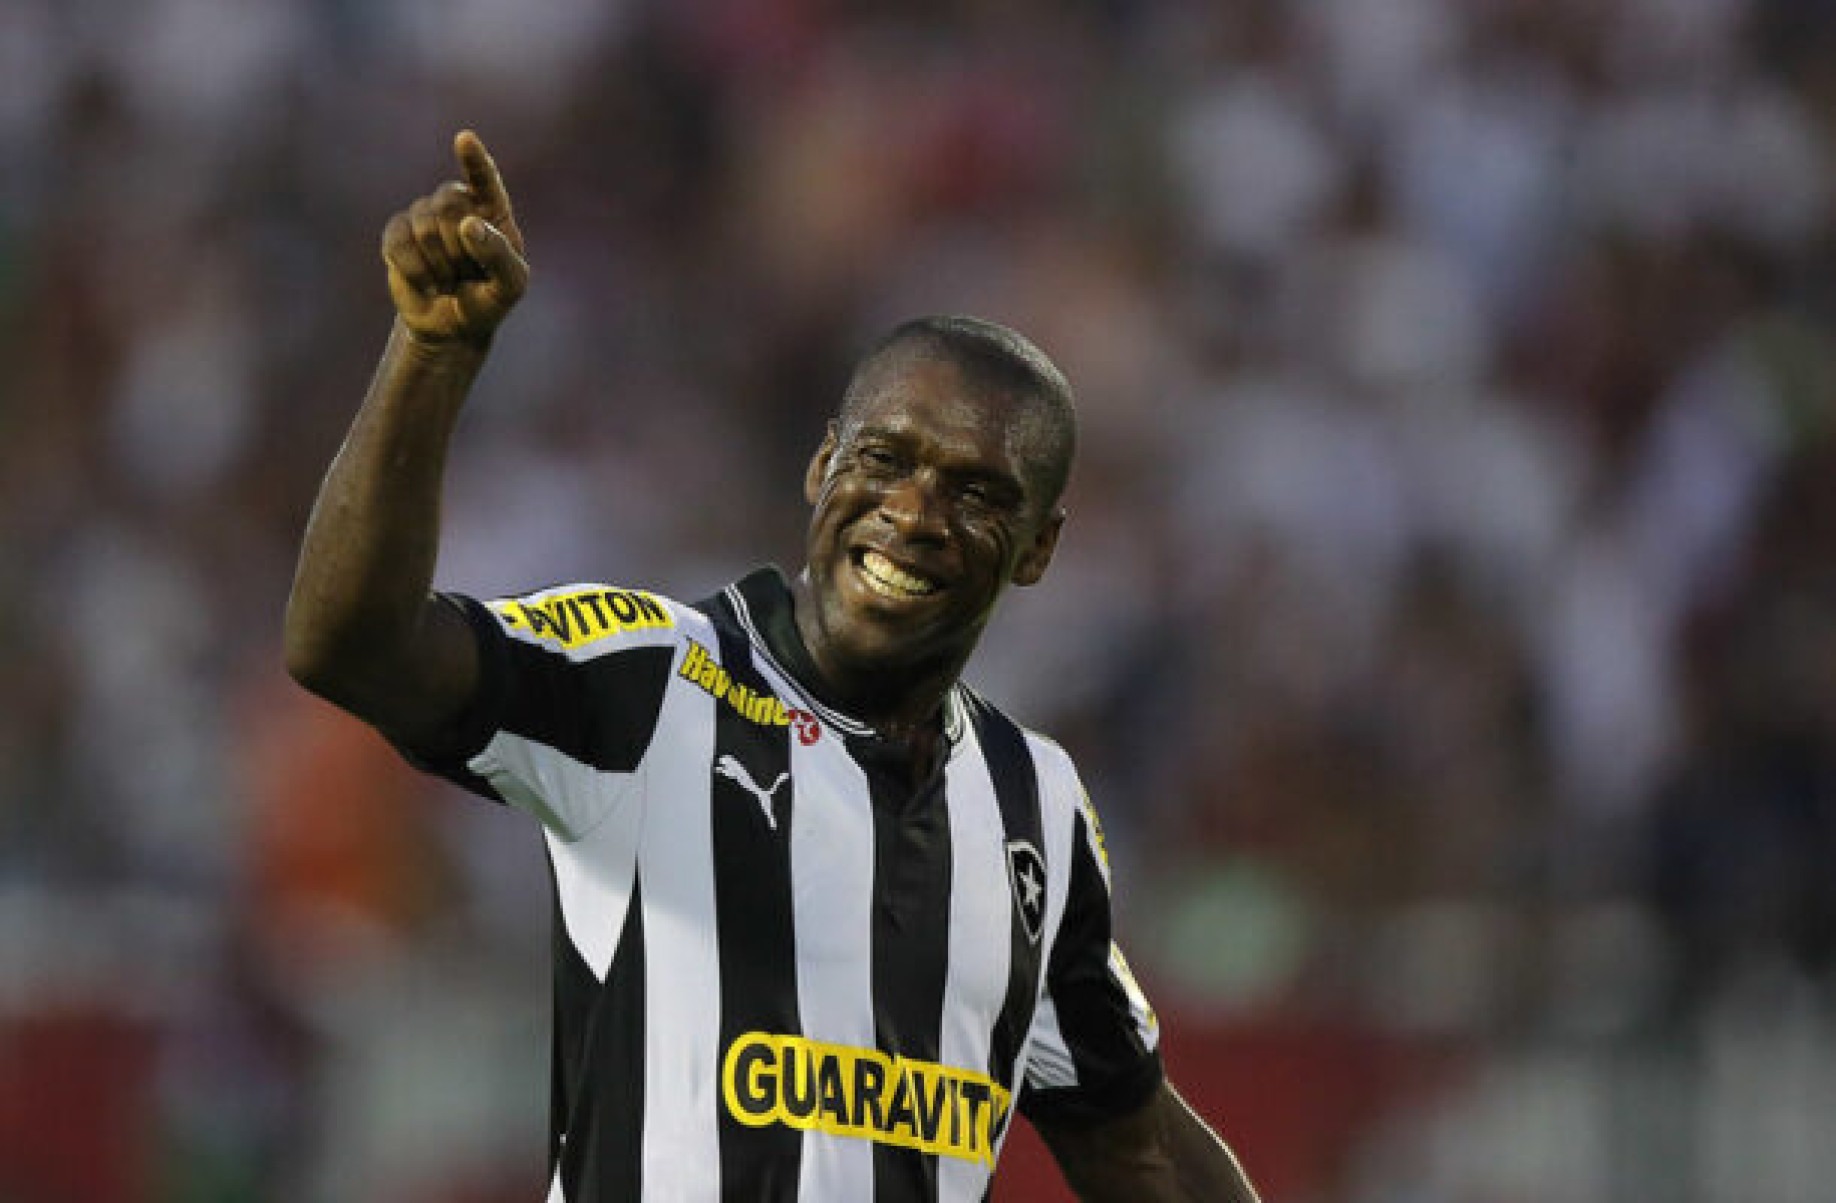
[[830, 494], [994, 548], [837, 504]]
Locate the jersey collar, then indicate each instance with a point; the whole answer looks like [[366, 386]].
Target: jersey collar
[[761, 601]]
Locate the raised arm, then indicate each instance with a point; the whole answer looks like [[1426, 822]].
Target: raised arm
[[363, 629], [1161, 1153]]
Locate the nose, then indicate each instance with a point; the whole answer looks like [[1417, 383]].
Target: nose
[[913, 507]]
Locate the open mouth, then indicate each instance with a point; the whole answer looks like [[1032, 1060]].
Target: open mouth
[[889, 580]]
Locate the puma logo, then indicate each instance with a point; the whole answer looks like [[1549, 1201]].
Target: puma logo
[[736, 772]]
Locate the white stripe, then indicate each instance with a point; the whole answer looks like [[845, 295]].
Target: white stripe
[[593, 884], [554, 1189], [956, 713], [567, 796], [832, 879], [1140, 1011], [981, 919], [681, 1148], [1047, 1058], [1066, 784], [1058, 814]]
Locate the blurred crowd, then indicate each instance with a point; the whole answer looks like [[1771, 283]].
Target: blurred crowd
[[1446, 621]]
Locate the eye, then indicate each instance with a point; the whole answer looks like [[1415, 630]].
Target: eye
[[876, 458], [987, 496]]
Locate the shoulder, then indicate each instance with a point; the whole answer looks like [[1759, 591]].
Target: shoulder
[[587, 619], [1001, 734], [1061, 788], [1065, 810], [1063, 800]]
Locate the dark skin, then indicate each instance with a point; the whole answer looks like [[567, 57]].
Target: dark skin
[[925, 506], [921, 514]]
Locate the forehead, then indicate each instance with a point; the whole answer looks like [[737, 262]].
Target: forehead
[[930, 400]]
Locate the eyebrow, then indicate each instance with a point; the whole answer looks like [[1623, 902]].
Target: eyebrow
[[1015, 482]]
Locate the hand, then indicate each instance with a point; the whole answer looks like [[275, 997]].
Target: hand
[[455, 256]]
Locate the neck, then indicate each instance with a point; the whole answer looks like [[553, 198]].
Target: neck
[[901, 701]]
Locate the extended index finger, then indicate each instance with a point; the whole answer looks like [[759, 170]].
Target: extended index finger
[[481, 175]]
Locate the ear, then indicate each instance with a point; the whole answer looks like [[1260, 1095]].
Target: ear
[[818, 471], [1033, 561]]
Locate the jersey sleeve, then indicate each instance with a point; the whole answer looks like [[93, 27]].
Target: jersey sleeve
[[1095, 1048], [571, 683]]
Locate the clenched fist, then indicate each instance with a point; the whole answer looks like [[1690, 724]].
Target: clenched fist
[[455, 256]]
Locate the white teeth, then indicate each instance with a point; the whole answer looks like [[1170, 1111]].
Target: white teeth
[[891, 580]]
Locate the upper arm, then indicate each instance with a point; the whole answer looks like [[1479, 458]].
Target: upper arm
[[1093, 1052], [409, 689], [570, 686]]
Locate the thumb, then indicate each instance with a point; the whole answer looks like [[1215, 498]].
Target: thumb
[[494, 253]]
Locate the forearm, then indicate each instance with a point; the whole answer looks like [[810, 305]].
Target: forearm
[[367, 561], [1163, 1153], [1203, 1164]]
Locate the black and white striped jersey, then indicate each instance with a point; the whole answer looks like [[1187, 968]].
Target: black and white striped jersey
[[781, 972]]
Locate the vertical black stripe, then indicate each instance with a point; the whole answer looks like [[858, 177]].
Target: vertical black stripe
[[599, 1079], [1115, 1067], [751, 797], [576, 991], [1016, 786], [911, 944]]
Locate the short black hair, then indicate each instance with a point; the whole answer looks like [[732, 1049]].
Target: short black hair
[[997, 359]]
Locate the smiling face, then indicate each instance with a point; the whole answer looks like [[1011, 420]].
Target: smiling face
[[929, 497]]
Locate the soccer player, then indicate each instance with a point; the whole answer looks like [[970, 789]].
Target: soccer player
[[825, 919]]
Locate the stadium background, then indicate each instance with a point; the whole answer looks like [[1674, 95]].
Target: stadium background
[[1447, 623]]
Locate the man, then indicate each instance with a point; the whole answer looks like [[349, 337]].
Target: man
[[825, 917]]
